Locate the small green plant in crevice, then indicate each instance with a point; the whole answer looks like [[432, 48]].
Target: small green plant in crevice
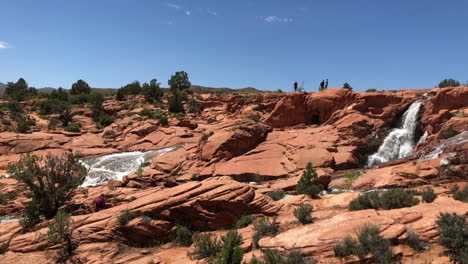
[[243, 221], [124, 217], [414, 240], [60, 232], [4, 247], [369, 242], [206, 246], [304, 213], [428, 195], [206, 136], [309, 182], [449, 132], [183, 236], [453, 234], [352, 176], [73, 127], [372, 90], [460, 195], [264, 227], [459, 114], [255, 118], [276, 195]]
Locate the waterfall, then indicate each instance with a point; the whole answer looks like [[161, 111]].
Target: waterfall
[[115, 166], [400, 142]]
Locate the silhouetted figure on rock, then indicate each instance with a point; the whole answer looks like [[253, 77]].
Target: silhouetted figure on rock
[[295, 86], [322, 85], [326, 84]]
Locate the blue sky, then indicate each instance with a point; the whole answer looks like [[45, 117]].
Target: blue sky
[[265, 44]]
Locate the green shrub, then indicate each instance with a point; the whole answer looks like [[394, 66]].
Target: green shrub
[[163, 120], [461, 195], [349, 246], [53, 122], [104, 120], [4, 198], [272, 256], [264, 227], [453, 230], [206, 136], [428, 195], [414, 241], [391, 199], [183, 236], [51, 181], [152, 91], [309, 182], [60, 232], [371, 242], [179, 81], [255, 118], [243, 221], [146, 112], [79, 99], [23, 123], [4, 247], [124, 217], [73, 127], [66, 116], [14, 107], [276, 195], [449, 132], [459, 114], [53, 106], [194, 106], [231, 252], [295, 257], [303, 213], [352, 176], [120, 95], [372, 90], [206, 246], [80, 87], [397, 198], [347, 86], [448, 83]]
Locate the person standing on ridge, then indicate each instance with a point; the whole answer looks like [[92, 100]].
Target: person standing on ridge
[[295, 86], [326, 84], [322, 85]]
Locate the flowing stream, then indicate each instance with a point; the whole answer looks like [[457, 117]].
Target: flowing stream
[[400, 141], [455, 140], [115, 166]]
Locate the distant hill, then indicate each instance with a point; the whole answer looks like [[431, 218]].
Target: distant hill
[[195, 88]]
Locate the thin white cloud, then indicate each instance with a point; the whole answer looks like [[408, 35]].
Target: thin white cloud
[[173, 6], [212, 12], [4, 45], [188, 13], [275, 19]]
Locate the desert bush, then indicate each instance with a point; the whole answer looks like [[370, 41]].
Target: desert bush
[[273, 256], [146, 112], [19, 91], [120, 95], [276, 195], [352, 176], [449, 132], [179, 81], [104, 120], [303, 213], [78, 99], [461, 195], [5, 197], [264, 227], [51, 180], [453, 230], [231, 253], [295, 257], [206, 246], [459, 114], [243, 221], [347, 86], [152, 91], [372, 90], [60, 232], [255, 118], [66, 116], [414, 240], [349, 246], [206, 136], [124, 217], [309, 182], [448, 83], [194, 106], [397, 198], [4, 247], [73, 127], [391, 199], [371, 242], [52, 106], [23, 123], [183, 236], [428, 195]]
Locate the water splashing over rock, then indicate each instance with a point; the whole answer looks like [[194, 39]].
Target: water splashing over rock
[[115, 166], [400, 142]]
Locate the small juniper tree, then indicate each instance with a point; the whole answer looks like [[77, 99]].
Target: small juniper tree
[[232, 252], [449, 83], [179, 81], [80, 87], [152, 91], [347, 86], [309, 182]]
